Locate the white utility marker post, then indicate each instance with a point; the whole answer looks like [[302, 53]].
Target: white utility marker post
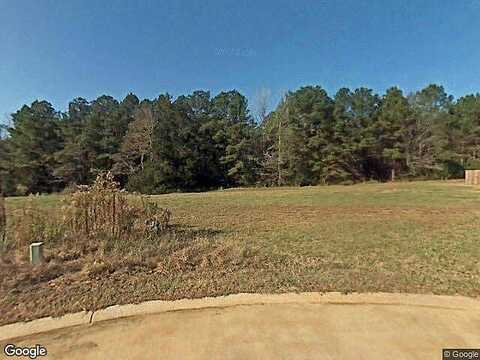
[[36, 253]]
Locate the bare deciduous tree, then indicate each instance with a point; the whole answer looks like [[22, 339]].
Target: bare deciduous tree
[[262, 100], [137, 144]]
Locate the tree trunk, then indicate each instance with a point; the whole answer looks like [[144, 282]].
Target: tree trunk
[[392, 174]]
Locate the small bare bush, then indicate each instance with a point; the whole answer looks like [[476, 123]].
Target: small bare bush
[[100, 216], [104, 210]]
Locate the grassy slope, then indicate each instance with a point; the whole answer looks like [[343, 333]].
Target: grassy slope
[[420, 237]]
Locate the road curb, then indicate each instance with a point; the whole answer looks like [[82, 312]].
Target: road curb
[[17, 330], [23, 329]]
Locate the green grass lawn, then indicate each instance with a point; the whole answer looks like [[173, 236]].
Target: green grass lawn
[[406, 236], [417, 237]]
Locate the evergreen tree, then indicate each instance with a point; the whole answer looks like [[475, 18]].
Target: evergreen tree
[[196, 142], [73, 165], [464, 131], [34, 139], [235, 137], [394, 115]]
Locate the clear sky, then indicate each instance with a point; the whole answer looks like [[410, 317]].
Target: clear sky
[[58, 50]]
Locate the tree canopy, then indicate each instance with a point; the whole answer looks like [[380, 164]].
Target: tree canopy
[[199, 142]]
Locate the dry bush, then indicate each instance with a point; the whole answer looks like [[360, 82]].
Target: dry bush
[[98, 217], [103, 210]]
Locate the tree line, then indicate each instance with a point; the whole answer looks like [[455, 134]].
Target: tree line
[[197, 142]]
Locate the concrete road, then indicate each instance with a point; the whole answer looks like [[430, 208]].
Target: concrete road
[[297, 329]]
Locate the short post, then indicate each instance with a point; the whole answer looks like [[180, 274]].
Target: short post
[[36, 253]]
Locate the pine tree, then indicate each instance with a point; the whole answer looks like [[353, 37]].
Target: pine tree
[[73, 165], [33, 142], [394, 115]]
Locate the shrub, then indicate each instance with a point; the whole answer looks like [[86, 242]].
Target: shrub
[[100, 216], [103, 210], [452, 169]]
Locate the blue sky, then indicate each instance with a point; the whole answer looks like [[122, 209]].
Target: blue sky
[[58, 50]]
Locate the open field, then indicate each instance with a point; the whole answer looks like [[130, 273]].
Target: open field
[[416, 237]]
